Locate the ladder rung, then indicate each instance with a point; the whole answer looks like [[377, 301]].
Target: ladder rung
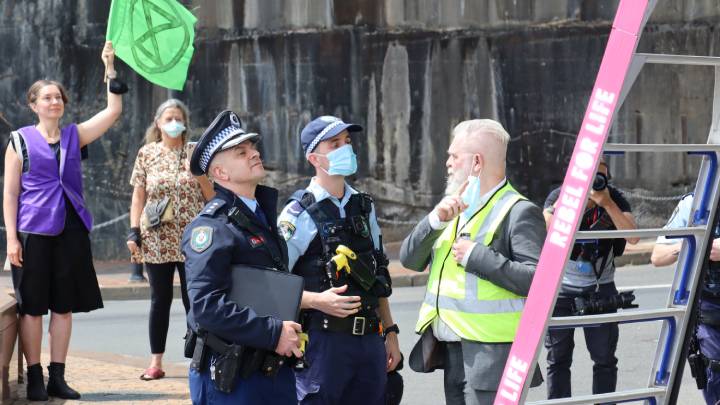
[[640, 233], [622, 317], [660, 147], [679, 59], [641, 393]]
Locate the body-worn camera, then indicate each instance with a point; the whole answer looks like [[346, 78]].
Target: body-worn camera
[[594, 304], [601, 182]]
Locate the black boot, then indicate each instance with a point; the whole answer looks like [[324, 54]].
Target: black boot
[[36, 384], [57, 387]]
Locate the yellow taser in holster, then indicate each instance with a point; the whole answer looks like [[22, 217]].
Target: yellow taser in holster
[[341, 261]]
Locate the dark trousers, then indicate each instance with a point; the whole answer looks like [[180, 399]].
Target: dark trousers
[[161, 277], [709, 340], [256, 389], [343, 370], [601, 342]]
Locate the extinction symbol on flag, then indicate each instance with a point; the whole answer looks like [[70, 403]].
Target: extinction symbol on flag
[[154, 37]]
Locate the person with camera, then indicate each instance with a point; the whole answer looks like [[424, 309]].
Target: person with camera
[[704, 353], [588, 287]]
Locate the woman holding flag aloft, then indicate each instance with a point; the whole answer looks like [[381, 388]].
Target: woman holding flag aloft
[[48, 224]]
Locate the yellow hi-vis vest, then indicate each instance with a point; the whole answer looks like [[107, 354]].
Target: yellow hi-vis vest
[[475, 309]]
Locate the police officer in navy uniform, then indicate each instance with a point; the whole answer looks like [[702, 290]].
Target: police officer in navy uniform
[[343, 311], [707, 334], [236, 227]]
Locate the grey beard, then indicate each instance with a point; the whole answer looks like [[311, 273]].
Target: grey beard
[[453, 184]]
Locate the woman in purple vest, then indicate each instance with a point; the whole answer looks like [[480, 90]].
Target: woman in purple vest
[[48, 222]]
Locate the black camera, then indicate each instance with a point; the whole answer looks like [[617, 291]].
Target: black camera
[[601, 182], [594, 304]]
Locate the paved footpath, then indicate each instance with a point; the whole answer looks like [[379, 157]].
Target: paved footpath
[[104, 377]]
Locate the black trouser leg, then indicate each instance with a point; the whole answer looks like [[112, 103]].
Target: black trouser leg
[[601, 343], [160, 276], [559, 344]]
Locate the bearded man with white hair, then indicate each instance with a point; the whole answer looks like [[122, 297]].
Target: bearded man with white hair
[[482, 243]]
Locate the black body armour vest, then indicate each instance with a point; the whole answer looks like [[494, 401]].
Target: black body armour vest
[[352, 231]]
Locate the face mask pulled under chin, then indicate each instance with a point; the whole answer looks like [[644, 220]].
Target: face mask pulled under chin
[[471, 196], [173, 128], [343, 161]]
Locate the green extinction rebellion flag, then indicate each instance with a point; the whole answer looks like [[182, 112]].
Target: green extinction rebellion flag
[[154, 37]]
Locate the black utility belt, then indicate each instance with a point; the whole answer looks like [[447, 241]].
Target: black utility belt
[[354, 325], [233, 360]]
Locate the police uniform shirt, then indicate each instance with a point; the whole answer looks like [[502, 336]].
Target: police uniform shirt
[[679, 219], [298, 228]]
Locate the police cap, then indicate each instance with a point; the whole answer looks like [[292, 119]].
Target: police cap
[[223, 133], [323, 128]]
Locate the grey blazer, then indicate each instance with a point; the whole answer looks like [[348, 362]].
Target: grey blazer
[[508, 262]]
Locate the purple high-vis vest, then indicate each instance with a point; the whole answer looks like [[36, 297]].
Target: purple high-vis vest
[[41, 209]]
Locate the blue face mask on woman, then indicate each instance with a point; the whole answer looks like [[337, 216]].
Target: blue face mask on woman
[[173, 128], [343, 161]]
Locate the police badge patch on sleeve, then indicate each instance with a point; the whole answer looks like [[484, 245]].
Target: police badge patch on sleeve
[[287, 230], [201, 238]]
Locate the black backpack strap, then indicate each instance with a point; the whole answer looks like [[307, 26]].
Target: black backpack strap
[[366, 203]]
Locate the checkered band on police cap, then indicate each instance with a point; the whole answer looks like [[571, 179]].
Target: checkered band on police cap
[[334, 122], [219, 139]]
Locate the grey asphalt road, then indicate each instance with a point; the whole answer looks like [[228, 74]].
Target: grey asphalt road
[[121, 328]]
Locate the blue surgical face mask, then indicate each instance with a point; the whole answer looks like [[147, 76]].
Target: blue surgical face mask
[[471, 196], [343, 161], [173, 128]]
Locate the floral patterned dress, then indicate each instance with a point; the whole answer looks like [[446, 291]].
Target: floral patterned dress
[[165, 172]]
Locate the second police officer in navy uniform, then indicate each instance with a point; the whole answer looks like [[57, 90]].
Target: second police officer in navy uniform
[[347, 361], [235, 227], [704, 353]]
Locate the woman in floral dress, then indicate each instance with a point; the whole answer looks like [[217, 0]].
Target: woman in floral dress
[[161, 173]]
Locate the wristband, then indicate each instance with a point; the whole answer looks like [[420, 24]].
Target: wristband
[[391, 328], [117, 87]]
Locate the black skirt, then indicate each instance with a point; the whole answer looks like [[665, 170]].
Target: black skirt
[[57, 273]]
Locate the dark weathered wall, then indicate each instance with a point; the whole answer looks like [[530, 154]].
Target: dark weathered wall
[[407, 70]]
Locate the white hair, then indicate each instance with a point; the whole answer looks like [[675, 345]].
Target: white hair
[[482, 127]]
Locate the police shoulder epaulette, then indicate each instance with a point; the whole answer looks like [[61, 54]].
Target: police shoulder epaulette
[[365, 196], [212, 207], [299, 202]]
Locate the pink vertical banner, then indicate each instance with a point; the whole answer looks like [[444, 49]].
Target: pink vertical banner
[[573, 195]]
